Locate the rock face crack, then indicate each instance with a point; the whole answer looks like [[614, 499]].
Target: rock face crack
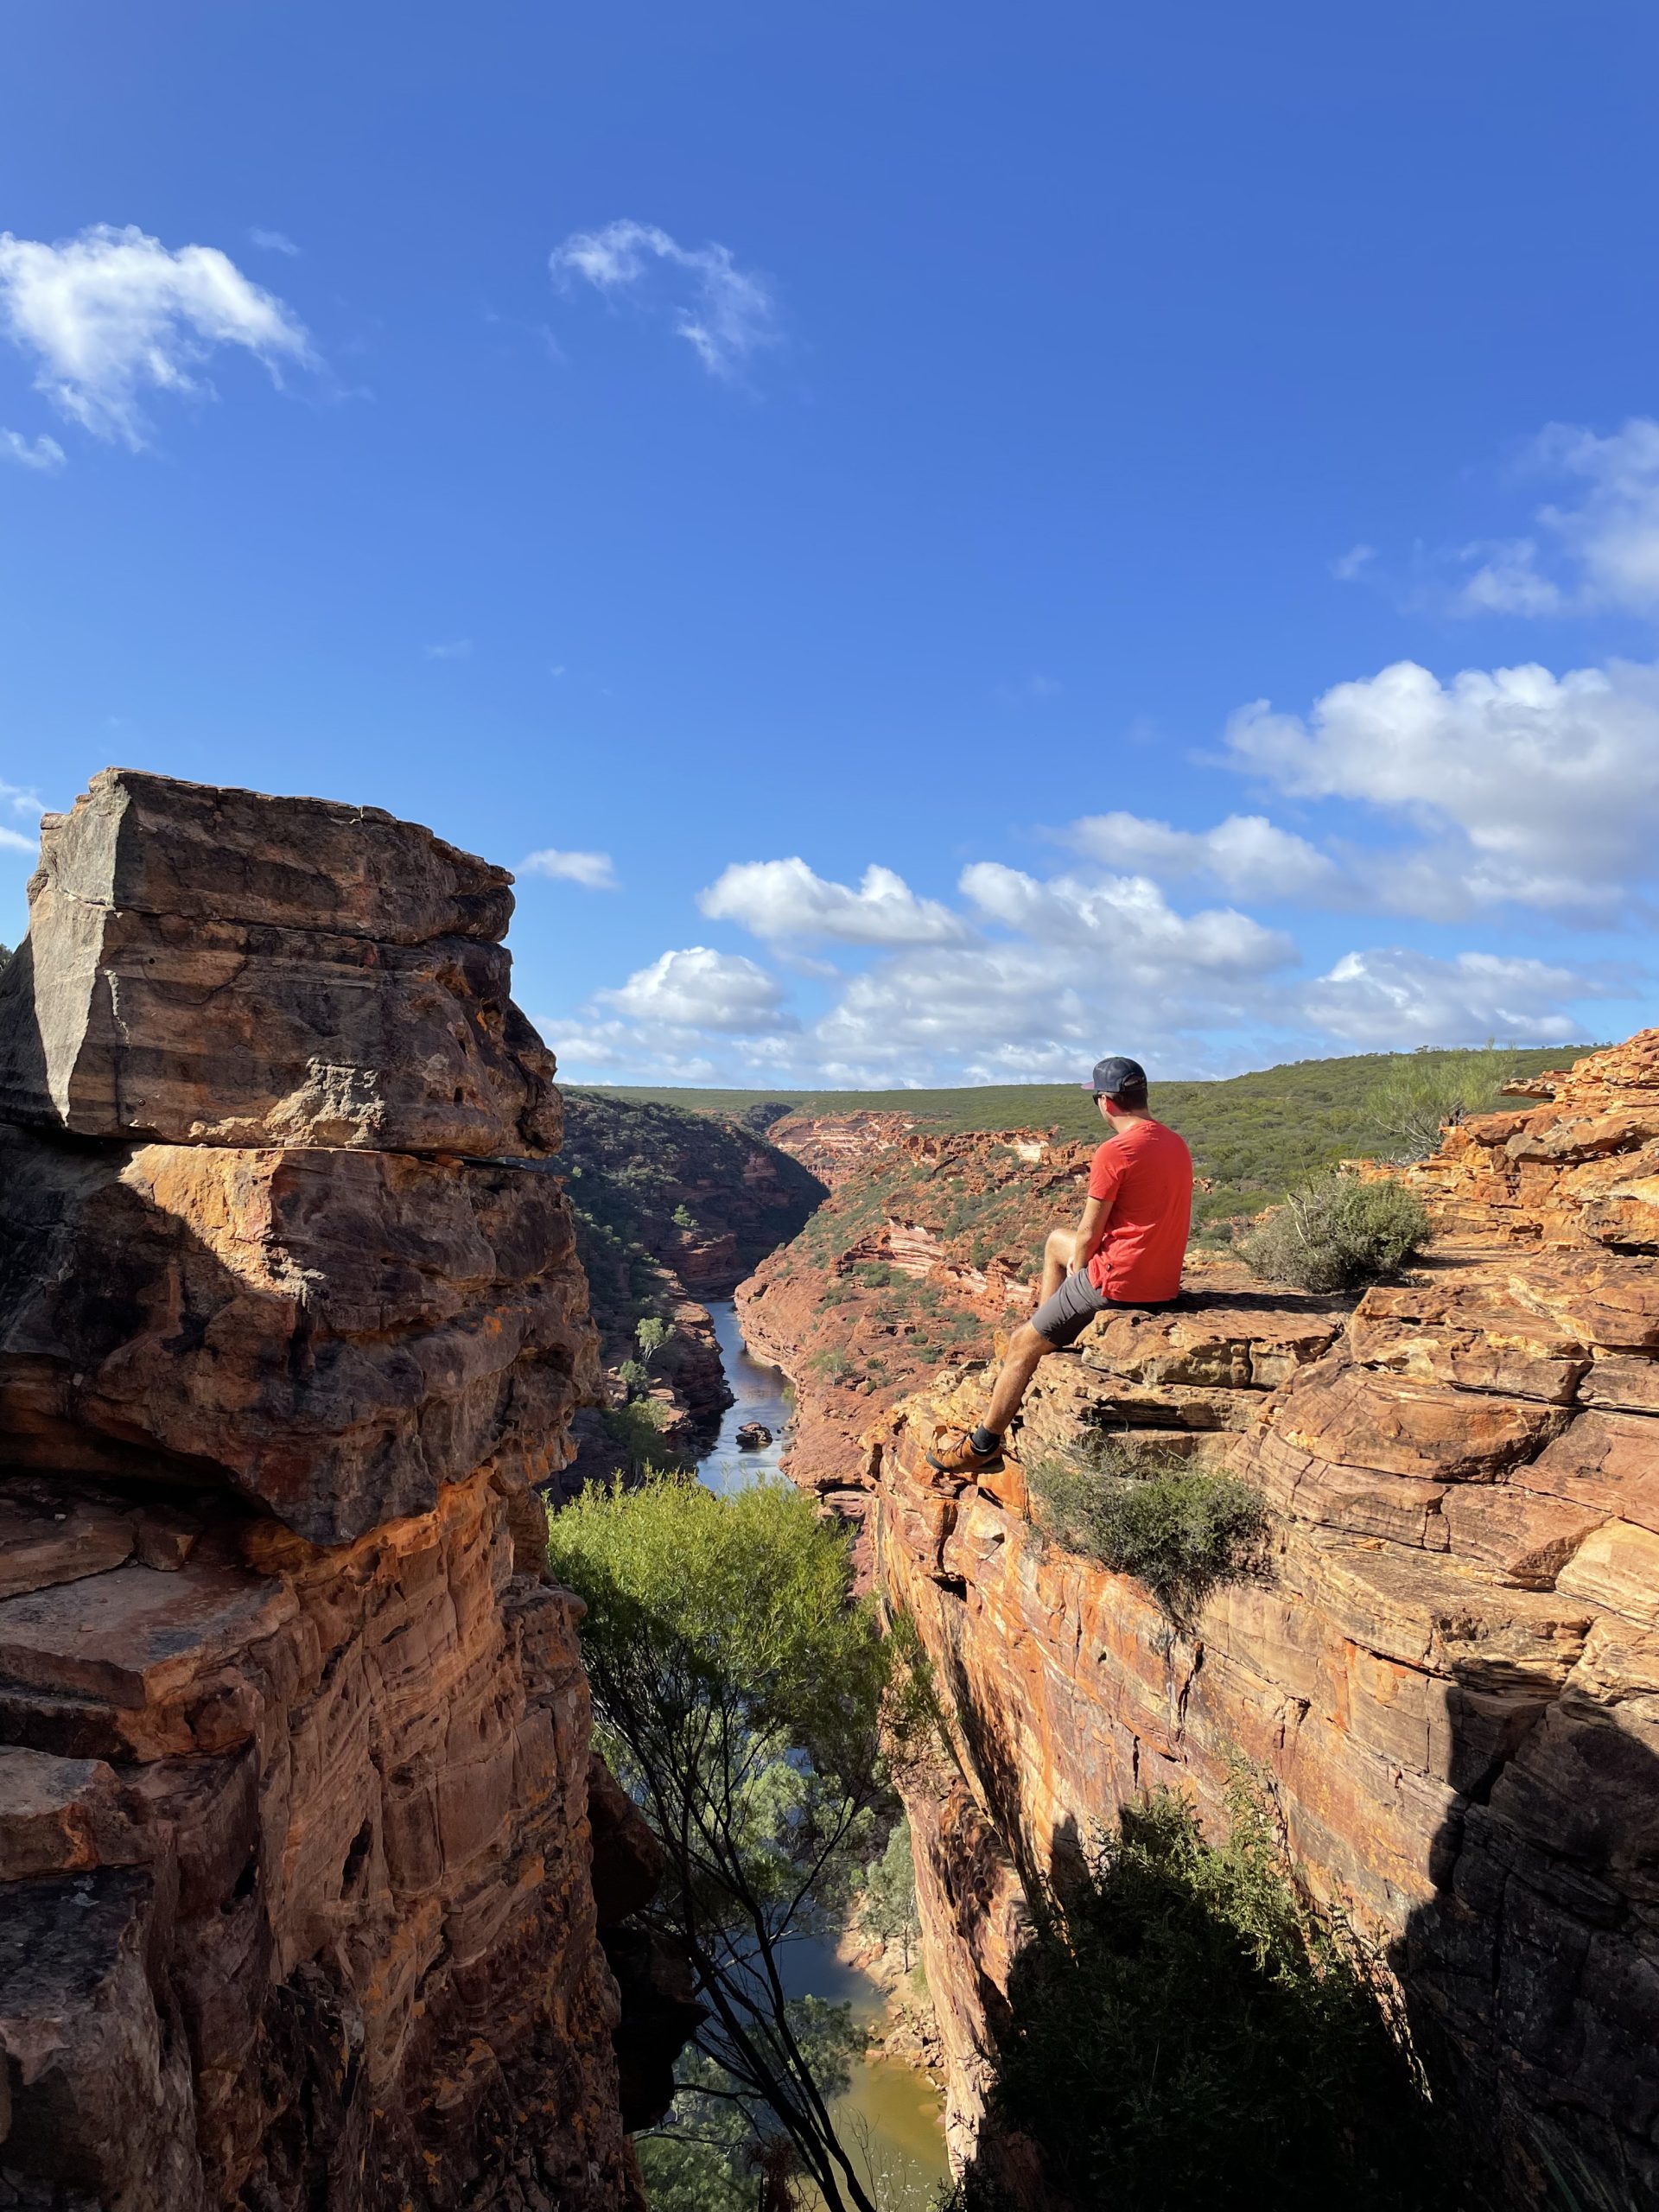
[[296, 1906]]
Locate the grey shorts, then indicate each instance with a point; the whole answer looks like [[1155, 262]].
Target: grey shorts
[[1060, 1320]]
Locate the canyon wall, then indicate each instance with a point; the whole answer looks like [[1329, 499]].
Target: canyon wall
[[1448, 1677], [296, 1906], [672, 1207]]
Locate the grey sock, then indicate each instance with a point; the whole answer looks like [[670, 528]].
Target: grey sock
[[985, 1440]]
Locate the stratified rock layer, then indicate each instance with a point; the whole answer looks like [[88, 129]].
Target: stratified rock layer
[[195, 974], [1450, 1676], [296, 1907]]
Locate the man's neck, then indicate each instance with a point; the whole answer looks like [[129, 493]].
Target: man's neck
[[1122, 1121]]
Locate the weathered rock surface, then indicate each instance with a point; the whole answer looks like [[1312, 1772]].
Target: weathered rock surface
[[297, 1899], [1450, 1676], [338, 1334], [191, 974]]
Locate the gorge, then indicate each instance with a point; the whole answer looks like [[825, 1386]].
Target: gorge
[[314, 1893]]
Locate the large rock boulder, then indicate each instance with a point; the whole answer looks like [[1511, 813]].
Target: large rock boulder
[[216, 968], [296, 1901]]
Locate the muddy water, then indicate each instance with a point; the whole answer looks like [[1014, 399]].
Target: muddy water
[[890, 2122]]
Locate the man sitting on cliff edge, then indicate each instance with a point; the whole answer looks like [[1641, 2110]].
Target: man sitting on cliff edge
[[1126, 1253]]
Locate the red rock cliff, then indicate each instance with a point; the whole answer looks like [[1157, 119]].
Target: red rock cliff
[[1450, 1676], [296, 1901]]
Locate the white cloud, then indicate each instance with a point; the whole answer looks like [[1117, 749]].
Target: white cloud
[[1348, 566], [1611, 531], [731, 313], [1127, 919], [273, 242], [700, 989], [1537, 788], [45, 454], [111, 313], [449, 649], [1508, 580], [784, 898], [592, 870], [18, 799], [1246, 853], [1389, 999]]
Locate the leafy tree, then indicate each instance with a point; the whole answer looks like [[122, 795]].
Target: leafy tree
[[652, 1333], [1421, 1095], [638, 1426], [713, 2153], [1187, 2033], [889, 1910], [744, 1699], [634, 1376], [685, 1219]]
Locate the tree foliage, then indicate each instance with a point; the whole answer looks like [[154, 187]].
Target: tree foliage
[[1420, 1095], [888, 1909], [745, 1699], [651, 1334], [1187, 2033]]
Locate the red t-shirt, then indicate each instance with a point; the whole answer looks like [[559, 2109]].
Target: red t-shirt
[[1145, 1176]]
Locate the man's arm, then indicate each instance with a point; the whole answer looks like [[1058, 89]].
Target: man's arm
[[1090, 1229]]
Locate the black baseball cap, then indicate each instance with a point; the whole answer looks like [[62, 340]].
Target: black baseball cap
[[1114, 1076]]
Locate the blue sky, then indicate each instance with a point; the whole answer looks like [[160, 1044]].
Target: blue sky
[[1174, 491]]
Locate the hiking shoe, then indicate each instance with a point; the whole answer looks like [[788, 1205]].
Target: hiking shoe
[[955, 1453]]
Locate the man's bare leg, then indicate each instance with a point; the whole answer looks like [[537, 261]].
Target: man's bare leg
[[1026, 1349], [1060, 1250]]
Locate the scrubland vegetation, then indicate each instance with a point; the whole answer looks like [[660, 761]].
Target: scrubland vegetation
[[1252, 1135]]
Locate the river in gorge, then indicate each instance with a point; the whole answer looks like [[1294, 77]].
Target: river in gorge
[[889, 2118]]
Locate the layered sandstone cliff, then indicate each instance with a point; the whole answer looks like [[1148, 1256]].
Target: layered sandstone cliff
[[1449, 1676], [295, 1898]]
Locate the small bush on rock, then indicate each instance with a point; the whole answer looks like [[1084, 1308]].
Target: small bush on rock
[[1179, 1530], [1335, 1233]]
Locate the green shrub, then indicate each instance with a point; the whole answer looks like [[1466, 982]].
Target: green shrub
[[1179, 1530], [634, 1376], [1335, 1233], [683, 1218], [1186, 2033], [1419, 1097], [638, 1427]]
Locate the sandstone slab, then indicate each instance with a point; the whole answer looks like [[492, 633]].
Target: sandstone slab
[[1346, 1415], [206, 853], [1607, 1462], [128, 1025], [335, 1334]]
